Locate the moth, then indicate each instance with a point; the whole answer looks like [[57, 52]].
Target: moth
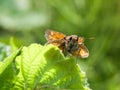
[[72, 44]]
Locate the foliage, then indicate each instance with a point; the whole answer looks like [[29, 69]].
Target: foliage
[[27, 20], [41, 67]]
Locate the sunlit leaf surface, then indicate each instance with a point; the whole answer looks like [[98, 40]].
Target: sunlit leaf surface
[[43, 67]]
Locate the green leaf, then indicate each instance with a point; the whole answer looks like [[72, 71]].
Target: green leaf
[[45, 67], [13, 45], [7, 61], [7, 71], [4, 51]]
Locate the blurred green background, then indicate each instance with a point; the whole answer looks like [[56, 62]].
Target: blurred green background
[[27, 20]]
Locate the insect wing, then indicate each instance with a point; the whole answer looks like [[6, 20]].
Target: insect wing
[[83, 51], [52, 35], [55, 38], [80, 40], [55, 42]]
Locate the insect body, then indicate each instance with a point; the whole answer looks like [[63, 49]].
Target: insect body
[[68, 44]]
